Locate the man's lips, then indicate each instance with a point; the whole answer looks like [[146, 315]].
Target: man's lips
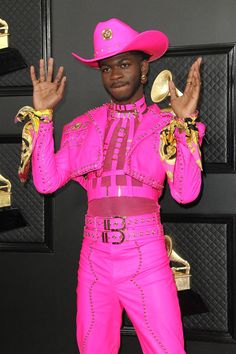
[[118, 85]]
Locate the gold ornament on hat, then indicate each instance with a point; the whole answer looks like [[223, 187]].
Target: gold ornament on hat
[[160, 88], [107, 33]]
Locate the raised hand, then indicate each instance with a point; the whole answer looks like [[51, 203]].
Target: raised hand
[[185, 105], [47, 93]]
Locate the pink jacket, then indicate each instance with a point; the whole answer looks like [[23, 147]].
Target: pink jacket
[[81, 152]]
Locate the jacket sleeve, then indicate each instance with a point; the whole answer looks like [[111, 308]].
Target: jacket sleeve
[[184, 173], [50, 170]]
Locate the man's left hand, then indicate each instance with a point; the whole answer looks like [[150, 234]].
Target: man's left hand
[[185, 105]]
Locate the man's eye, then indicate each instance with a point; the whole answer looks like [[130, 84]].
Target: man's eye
[[124, 65], [105, 69]]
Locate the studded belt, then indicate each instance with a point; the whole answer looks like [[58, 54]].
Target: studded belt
[[118, 229], [122, 191]]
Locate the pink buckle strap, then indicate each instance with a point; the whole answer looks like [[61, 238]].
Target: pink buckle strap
[[119, 236], [121, 222], [118, 229], [123, 191]]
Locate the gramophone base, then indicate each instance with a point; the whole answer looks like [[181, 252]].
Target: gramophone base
[[10, 219], [191, 303], [11, 60]]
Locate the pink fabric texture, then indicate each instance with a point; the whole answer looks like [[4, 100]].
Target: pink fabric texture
[[111, 191], [81, 152], [134, 275]]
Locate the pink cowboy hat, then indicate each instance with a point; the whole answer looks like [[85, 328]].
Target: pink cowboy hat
[[113, 37]]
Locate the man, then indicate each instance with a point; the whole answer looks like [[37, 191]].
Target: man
[[120, 152]]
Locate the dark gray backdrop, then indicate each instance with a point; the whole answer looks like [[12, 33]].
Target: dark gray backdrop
[[37, 291]]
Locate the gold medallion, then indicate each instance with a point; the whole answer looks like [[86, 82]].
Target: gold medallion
[[107, 34], [76, 126]]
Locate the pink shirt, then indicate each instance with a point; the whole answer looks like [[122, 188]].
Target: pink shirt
[[119, 135]]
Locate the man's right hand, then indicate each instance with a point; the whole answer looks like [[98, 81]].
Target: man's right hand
[[47, 93]]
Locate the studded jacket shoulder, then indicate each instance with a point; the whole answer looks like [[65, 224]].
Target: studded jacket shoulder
[[81, 152]]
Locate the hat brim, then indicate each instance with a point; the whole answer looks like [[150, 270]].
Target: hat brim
[[153, 43]]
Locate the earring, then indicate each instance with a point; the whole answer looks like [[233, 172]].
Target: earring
[[143, 79]]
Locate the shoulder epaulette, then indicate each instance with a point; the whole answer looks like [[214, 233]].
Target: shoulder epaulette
[[98, 109], [79, 122]]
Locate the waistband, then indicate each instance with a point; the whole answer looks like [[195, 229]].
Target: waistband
[[119, 229], [122, 191]]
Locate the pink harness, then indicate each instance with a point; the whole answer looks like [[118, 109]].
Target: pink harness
[[111, 181]]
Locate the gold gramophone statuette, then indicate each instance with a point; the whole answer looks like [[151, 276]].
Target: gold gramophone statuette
[[181, 274], [3, 34], [5, 192], [10, 58], [160, 88]]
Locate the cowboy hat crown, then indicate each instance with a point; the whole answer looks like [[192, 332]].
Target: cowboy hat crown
[[114, 37]]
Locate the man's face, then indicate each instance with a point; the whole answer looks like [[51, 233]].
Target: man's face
[[121, 76]]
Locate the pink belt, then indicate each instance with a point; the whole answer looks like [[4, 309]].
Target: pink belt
[[118, 229], [120, 191]]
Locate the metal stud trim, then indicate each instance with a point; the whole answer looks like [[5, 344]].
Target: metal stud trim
[[154, 335], [91, 302]]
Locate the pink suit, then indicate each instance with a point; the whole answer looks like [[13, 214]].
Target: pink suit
[[123, 261]]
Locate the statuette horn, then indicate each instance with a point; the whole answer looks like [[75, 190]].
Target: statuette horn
[[160, 88]]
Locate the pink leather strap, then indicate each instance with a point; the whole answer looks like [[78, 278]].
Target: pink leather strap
[[111, 180], [118, 229], [121, 222], [119, 236], [128, 110], [121, 191]]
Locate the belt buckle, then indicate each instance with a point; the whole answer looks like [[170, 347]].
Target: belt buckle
[[107, 227], [105, 237], [107, 223]]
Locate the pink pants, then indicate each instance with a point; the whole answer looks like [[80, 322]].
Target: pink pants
[[134, 276]]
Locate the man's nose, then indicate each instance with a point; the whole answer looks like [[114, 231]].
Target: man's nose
[[116, 73]]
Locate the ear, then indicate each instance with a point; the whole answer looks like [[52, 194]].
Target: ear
[[144, 67]]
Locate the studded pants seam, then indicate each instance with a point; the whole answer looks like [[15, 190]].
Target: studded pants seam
[[91, 302], [143, 301]]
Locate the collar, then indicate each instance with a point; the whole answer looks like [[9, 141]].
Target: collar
[[130, 111]]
